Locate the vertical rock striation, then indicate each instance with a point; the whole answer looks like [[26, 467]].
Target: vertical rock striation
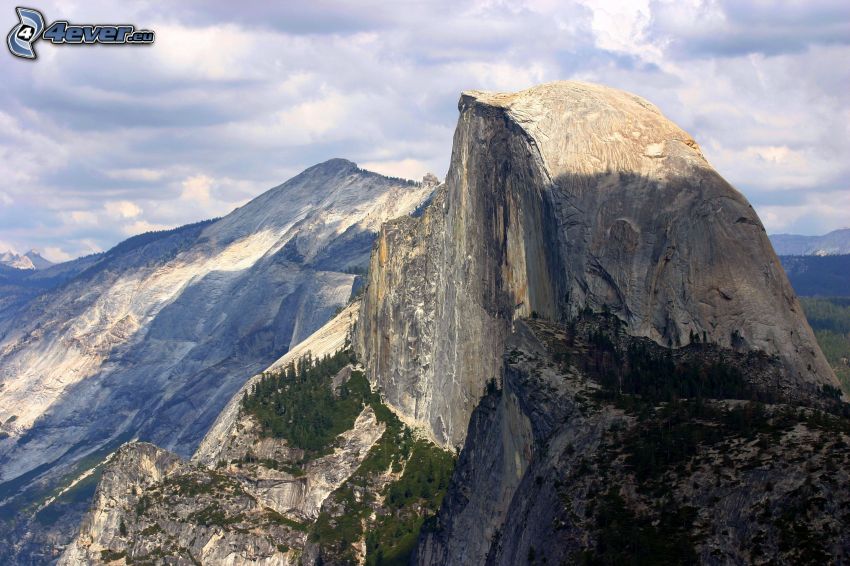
[[561, 197]]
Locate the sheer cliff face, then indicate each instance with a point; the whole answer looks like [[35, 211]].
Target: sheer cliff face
[[559, 197]]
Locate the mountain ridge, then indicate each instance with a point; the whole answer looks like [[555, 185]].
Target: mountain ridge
[[30, 260], [152, 338], [586, 312], [836, 242]]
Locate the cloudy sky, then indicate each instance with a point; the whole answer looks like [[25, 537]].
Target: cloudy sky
[[101, 143]]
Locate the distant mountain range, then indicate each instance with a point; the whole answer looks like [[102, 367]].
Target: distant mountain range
[[30, 260], [817, 266], [835, 243], [818, 276], [566, 352], [571, 354]]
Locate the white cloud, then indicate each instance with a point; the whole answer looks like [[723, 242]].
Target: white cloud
[[142, 226], [99, 143], [817, 214], [620, 25], [83, 217], [122, 209], [403, 168], [56, 255], [311, 119], [135, 174], [196, 190], [218, 52]]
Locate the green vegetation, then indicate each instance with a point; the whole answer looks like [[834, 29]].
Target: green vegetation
[[796, 536], [653, 374], [299, 404], [213, 515], [273, 516], [415, 496], [819, 276], [337, 531], [624, 537], [192, 485], [151, 530], [409, 501], [249, 458], [674, 433], [110, 555], [685, 443], [830, 319], [828, 314]]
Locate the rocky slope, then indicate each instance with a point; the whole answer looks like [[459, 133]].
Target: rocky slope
[[151, 339], [560, 197], [250, 498], [595, 317], [601, 448]]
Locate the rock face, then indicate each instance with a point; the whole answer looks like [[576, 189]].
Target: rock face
[[16, 261], [594, 316], [151, 339], [225, 433], [246, 514], [187, 530], [559, 468], [246, 498], [31, 260], [561, 197]]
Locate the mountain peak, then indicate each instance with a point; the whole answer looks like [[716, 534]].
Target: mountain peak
[[561, 198], [17, 261], [333, 166], [30, 260], [38, 261], [587, 129]]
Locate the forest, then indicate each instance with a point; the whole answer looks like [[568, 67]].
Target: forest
[[830, 319]]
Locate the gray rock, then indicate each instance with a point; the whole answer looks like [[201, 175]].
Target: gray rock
[[561, 197], [547, 474], [151, 339]]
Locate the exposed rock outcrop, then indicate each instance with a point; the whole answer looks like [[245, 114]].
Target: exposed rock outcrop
[[152, 338], [561, 197], [151, 505], [226, 435], [559, 467], [597, 318], [255, 499]]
